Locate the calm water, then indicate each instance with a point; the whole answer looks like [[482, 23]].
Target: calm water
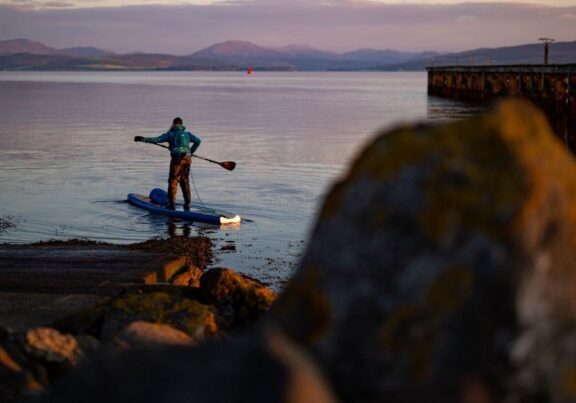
[[67, 159]]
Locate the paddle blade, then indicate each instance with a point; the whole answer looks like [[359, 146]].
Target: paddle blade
[[229, 165]]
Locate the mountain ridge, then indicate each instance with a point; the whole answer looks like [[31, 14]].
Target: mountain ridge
[[22, 45], [560, 53], [25, 54]]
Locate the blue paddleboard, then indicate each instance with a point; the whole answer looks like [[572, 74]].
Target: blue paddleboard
[[196, 213]]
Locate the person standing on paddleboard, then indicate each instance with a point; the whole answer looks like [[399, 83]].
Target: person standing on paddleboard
[[182, 145]]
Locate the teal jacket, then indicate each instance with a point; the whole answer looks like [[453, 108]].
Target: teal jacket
[[179, 140]]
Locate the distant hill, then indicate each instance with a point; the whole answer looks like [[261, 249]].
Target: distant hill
[[27, 61], [388, 56], [295, 57], [84, 51], [19, 46], [560, 53], [156, 61], [236, 55], [25, 54], [143, 61], [236, 49], [303, 50], [15, 46]]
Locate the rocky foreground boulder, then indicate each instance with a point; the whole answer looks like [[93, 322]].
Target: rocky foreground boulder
[[442, 267]]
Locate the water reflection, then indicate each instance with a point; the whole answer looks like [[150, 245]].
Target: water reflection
[[176, 229], [442, 109], [230, 246]]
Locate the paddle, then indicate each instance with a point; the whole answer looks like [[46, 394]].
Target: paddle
[[229, 165]]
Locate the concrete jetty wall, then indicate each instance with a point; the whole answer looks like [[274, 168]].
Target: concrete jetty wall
[[550, 87]]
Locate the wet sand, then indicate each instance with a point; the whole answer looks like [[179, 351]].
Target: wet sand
[[42, 283]]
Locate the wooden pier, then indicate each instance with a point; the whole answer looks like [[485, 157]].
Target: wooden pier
[[550, 87]]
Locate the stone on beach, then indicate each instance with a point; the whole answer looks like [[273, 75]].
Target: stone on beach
[[51, 346], [445, 259], [142, 335], [190, 277], [239, 299]]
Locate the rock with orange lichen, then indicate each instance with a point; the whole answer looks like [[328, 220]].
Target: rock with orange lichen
[[239, 299], [443, 263], [189, 277], [51, 346], [195, 319], [143, 335]]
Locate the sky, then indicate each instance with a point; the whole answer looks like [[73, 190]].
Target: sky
[[185, 26]]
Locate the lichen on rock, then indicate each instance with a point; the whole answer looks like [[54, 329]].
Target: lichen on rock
[[145, 335], [239, 299], [52, 346], [195, 319], [188, 277]]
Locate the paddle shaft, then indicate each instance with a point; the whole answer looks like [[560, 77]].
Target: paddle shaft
[[229, 165]]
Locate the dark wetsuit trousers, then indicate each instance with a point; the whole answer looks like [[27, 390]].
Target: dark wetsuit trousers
[[179, 175]]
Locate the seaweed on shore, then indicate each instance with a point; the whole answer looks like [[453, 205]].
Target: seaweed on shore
[[57, 242], [7, 222], [197, 249]]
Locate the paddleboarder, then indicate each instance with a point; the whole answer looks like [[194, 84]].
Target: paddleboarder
[[182, 145]]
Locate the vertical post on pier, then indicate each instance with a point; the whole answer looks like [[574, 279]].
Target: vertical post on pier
[[547, 42]]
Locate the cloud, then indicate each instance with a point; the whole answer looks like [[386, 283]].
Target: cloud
[[47, 4], [333, 25], [465, 18]]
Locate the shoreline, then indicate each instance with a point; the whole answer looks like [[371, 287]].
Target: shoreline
[[45, 281], [273, 266]]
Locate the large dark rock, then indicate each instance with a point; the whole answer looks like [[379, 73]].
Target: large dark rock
[[256, 367], [442, 267]]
